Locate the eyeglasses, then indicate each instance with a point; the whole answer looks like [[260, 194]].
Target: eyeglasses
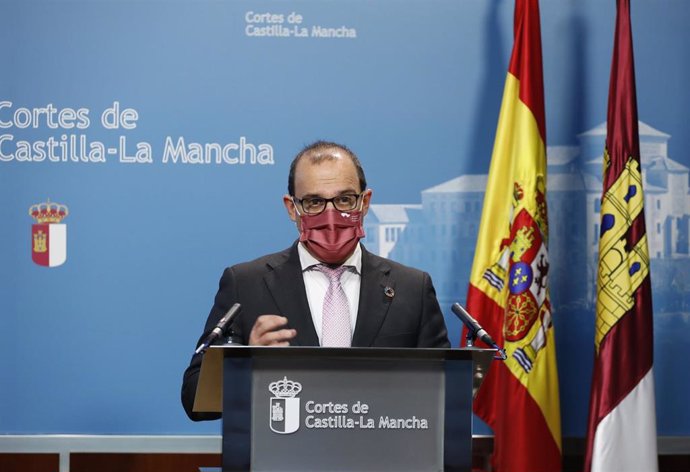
[[316, 205]]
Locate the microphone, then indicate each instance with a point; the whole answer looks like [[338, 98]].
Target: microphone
[[475, 328], [225, 321]]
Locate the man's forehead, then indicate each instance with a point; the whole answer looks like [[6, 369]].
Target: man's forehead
[[316, 156], [327, 159], [335, 174]]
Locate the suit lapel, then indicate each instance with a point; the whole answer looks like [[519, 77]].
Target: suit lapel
[[286, 284], [373, 301]]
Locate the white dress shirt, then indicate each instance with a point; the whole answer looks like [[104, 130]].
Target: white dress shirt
[[316, 284]]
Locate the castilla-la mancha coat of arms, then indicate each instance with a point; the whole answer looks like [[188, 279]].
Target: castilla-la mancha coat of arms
[[285, 406], [49, 234]]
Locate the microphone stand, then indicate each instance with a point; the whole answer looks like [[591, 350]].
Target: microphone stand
[[472, 336]]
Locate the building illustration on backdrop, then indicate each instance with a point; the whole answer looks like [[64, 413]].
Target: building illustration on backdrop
[[439, 235]]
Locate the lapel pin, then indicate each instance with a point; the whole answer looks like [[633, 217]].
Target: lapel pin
[[389, 292]]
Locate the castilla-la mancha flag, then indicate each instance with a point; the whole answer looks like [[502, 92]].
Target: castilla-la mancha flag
[[508, 291], [621, 431]]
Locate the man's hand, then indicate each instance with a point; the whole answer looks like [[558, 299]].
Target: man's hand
[[267, 331]]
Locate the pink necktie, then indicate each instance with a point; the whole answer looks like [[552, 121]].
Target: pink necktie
[[336, 330]]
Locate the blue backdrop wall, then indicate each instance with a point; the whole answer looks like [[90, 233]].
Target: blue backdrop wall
[[167, 129]]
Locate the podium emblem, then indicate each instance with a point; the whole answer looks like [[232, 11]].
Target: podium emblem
[[284, 406], [49, 234]]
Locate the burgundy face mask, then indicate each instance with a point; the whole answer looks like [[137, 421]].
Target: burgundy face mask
[[332, 235]]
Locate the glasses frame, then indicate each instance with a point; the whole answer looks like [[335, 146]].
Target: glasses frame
[[299, 201]]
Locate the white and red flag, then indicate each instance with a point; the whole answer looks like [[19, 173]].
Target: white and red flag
[[621, 431]]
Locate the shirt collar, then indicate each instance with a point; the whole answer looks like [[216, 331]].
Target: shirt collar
[[307, 261]]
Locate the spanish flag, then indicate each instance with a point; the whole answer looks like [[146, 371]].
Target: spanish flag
[[508, 291], [621, 431]]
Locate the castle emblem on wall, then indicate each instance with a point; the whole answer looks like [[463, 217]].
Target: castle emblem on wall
[[48, 234]]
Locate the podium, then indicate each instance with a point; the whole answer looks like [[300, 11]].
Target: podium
[[349, 409]]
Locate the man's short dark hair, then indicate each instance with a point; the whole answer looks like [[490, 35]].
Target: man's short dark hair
[[319, 152]]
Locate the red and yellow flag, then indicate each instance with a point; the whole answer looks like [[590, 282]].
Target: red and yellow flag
[[508, 291], [621, 431]]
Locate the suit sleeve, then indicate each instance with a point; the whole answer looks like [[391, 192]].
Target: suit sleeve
[[225, 298], [432, 330]]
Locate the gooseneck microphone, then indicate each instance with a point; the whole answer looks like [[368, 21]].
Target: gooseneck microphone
[[475, 329], [224, 322]]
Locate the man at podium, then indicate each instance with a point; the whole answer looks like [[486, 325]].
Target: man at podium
[[326, 289]]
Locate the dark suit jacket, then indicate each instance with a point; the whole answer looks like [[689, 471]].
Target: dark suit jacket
[[273, 284]]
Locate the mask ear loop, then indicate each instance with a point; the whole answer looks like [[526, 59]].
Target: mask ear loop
[[361, 201], [297, 222], [295, 205]]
